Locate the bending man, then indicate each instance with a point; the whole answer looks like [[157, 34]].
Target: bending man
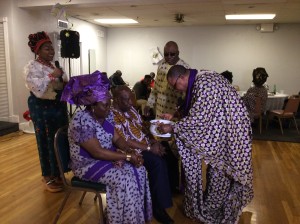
[[215, 128]]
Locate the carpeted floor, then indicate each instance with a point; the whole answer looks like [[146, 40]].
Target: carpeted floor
[[273, 132]]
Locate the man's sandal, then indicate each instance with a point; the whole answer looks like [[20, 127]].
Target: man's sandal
[[52, 186]]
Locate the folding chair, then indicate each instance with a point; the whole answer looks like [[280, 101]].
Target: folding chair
[[258, 113], [62, 152], [289, 111]]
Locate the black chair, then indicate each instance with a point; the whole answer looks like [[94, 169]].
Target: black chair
[[62, 152]]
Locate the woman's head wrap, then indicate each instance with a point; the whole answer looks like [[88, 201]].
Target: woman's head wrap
[[36, 40], [86, 89], [259, 76]]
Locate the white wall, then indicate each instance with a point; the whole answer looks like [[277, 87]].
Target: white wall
[[236, 48], [24, 22]]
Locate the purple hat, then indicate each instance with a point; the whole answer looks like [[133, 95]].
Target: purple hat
[[86, 89]]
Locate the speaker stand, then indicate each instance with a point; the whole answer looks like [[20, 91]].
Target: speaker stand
[[70, 109]]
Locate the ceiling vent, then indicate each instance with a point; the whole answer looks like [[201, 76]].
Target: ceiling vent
[[179, 18], [62, 24]]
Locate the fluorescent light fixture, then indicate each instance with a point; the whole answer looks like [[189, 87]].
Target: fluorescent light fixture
[[116, 21], [250, 16]]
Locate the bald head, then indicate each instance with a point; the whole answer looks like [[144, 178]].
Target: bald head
[[123, 98], [119, 90], [172, 44], [171, 53]]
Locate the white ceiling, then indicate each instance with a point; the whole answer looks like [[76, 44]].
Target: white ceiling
[[161, 13]]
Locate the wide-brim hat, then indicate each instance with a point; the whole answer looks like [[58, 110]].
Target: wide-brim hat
[[86, 89]]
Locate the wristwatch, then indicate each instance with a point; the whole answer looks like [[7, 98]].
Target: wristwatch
[[148, 148], [128, 157]]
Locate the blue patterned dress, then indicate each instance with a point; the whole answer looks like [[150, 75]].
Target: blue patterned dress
[[216, 130], [128, 196]]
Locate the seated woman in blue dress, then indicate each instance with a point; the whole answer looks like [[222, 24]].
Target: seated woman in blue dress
[[99, 154]]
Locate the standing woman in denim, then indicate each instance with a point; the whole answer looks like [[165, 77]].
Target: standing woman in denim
[[45, 83]]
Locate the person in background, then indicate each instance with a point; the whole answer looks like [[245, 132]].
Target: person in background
[[258, 90], [214, 129], [164, 99], [45, 83], [116, 79], [99, 154], [152, 74], [130, 126], [142, 90], [228, 75]]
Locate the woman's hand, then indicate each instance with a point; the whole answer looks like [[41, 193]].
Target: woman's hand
[[57, 73], [118, 163], [166, 116], [164, 128], [136, 159]]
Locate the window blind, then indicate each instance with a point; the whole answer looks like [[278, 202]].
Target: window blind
[[4, 104]]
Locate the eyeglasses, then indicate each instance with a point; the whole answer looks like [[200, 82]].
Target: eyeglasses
[[175, 83], [170, 54]]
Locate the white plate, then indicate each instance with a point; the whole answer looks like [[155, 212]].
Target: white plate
[[153, 128]]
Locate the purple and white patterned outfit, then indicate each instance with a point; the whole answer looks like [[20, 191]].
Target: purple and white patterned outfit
[[127, 189], [216, 128]]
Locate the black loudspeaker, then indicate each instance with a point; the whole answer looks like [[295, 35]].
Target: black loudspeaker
[[69, 44]]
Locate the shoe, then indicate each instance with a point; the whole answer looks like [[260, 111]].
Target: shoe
[[51, 186], [162, 216], [58, 180]]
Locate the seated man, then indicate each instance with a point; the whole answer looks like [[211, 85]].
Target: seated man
[[129, 125], [142, 91], [116, 79]]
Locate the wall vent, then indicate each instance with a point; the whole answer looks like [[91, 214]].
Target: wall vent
[[62, 24]]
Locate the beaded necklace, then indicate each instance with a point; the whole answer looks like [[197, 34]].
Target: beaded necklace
[[48, 64]]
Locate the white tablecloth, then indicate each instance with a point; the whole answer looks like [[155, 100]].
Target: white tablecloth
[[274, 102]]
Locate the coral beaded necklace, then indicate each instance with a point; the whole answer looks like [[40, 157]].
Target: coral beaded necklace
[[45, 63]]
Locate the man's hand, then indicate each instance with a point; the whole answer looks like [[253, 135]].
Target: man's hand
[[147, 111], [166, 116], [164, 128], [157, 149]]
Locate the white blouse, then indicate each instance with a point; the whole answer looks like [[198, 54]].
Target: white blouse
[[38, 81]]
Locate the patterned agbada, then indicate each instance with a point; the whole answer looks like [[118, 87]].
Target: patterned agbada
[[163, 97], [129, 125], [216, 130], [250, 99]]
